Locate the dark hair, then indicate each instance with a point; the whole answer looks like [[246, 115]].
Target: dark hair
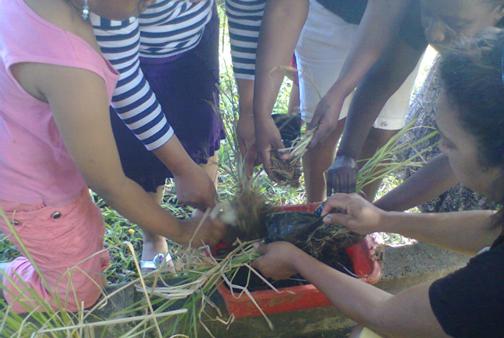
[[473, 82]]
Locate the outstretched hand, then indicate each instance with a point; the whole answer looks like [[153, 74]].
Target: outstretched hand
[[359, 215]]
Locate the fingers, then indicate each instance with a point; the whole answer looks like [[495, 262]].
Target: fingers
[[207, 200], [315, 122], [262, 249], [344, 185], [250, 161], [217, 232], [320, 112], [275, 145], [265, 156], [352, 182], [243, 150], [340, 201], [271, 270], [332, 182], [337, 218], [321, 134]]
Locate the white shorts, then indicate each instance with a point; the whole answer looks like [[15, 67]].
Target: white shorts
[[322, 49]]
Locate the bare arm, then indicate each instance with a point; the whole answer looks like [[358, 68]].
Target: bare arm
[[408, 314], [370, 45], [465, 231], [382, 81], [80, 106], [282, 23], [468, 231], [432, 180]]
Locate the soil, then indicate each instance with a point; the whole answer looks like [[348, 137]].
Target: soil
[[285, 172], [327, 243]]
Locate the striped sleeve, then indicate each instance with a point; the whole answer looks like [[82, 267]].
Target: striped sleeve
[[245, 19], [133, 99], [169, 27]]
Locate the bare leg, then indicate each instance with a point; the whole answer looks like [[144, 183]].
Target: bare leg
[[376, 139], [294, 102], [315, 164], [152, 243]]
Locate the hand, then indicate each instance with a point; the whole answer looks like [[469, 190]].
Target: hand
[[245, 131], [341, 176], [326, 117], [361, 216], [195, 188], [201, 230], [277, 260], [268, 140]]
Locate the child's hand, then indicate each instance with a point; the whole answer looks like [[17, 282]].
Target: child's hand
[[195, 188], [278, 260], [196, 233], [361, 216]]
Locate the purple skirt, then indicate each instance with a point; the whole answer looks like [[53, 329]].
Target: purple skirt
[[187, 87]]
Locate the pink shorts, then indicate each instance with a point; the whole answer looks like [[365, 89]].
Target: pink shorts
[[66, 245]]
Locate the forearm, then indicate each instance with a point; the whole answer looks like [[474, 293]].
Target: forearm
[[131, 201], [174, 156], [371, 42], [281, 27], [383, 80], [429, 182], [466, 232], [408, 314], [354, 298]]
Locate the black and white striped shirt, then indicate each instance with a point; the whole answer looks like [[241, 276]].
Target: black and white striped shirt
[[165, 29], [245, 19]]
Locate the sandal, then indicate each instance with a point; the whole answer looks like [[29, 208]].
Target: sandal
[[161, 261]]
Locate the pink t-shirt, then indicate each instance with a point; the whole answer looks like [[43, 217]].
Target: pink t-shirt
[[35, 166]]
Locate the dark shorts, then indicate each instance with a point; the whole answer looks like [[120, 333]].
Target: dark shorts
[[187, 88]]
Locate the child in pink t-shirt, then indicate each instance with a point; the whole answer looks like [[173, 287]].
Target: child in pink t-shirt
[[55, 139]]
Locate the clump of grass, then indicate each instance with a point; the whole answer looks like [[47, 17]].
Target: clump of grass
[[245, 206], [286, 165], [197, 278]]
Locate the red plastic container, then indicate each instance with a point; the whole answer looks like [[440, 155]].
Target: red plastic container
[[365, 262]]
